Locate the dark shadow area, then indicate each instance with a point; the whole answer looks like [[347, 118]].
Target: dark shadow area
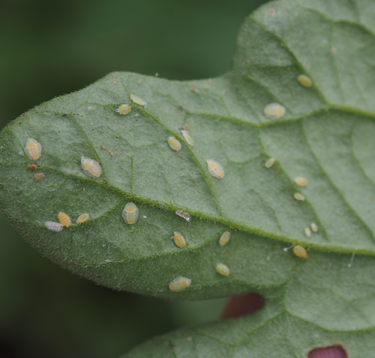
[[7, 348], [242, 305]]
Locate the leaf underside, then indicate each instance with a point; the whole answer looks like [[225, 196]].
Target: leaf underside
[[326, 136]]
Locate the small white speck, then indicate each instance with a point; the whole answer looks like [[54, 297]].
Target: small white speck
[[184, 215], [144, 217], [287, 248], [351, 261]]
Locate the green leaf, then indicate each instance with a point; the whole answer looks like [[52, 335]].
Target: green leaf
[[325, 136], [270, 333]]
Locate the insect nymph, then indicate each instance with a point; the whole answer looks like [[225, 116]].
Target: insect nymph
[[130, 213], [91, 167], [33, 149]]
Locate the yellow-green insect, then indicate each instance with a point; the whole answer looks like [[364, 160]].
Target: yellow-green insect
[[314, 227], [130, 213], [137, 100], [307, 232], [300, 252], [222, 269], [33, 149], [305, 81], [178, 239], [301, 181], [215, 169], [188, 138], [91, 167], [270, 162], [174, 143], [224, 238], [274, 111], [64, 219], [299, 197], [179, 284], [124, 109], [82, 218]]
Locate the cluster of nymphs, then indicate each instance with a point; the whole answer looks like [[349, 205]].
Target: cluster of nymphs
[[33, 149], [65, 221], [300, 181], [276, 111], [180, 283], [214, 168], [92, 168]]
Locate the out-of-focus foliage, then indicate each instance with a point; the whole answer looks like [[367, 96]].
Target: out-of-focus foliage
[[50, 48]]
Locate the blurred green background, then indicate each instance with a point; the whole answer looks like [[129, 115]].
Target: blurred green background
[[50, 48]]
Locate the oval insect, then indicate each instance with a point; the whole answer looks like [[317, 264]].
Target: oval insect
[[222, 269], [33, 149], [124, 109], [301, 181], [305, 81], [174, 143], [137, 100], [50, 225], [224, 238], [32, 167], [130, 213], [215, 169], [314, 227], [274, 111], [300, 252], [307, 232], [179, 283], [270, 162], [299, 197], [184, 215], [64, 219], [91, 167], [188, 138], [38, 176], [82, 218], [179, 240]]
